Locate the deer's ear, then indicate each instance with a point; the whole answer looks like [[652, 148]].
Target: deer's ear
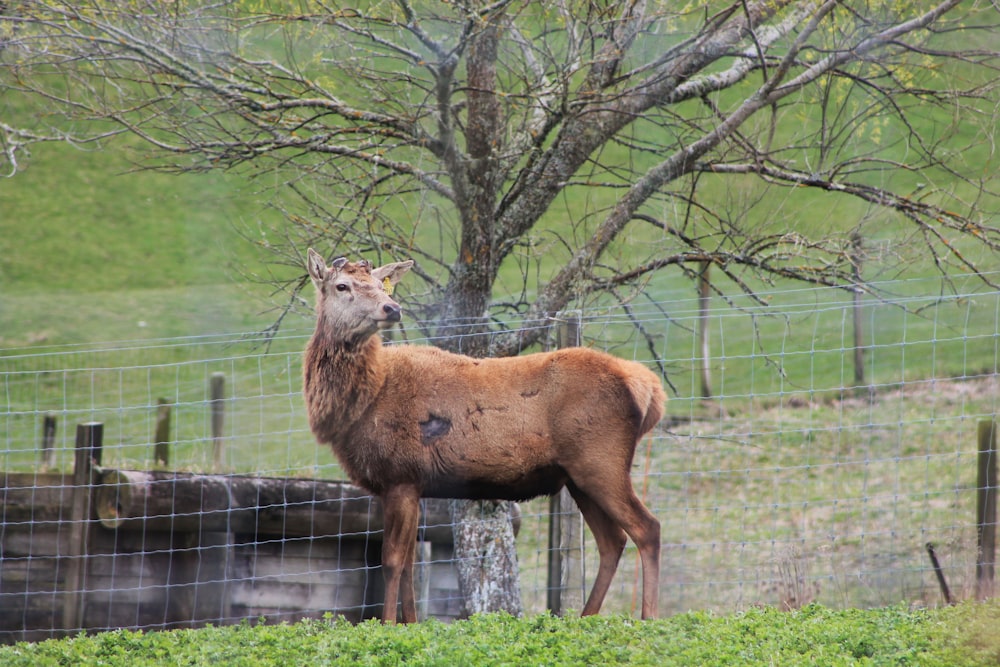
[[316, 266], [392, 272]]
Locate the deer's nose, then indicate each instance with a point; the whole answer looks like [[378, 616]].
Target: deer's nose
[[392, 312]]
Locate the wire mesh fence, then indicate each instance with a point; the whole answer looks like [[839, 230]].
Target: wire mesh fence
[[789, 469]]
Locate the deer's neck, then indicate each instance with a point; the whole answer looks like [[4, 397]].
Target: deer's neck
[[341, 381]]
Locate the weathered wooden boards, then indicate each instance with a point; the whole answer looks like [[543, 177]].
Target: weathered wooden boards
[[171, 549]]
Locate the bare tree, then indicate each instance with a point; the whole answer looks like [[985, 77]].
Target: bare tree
[[534, 156]]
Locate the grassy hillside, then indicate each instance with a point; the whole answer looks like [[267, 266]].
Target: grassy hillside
[[92, 251], [74, 220]]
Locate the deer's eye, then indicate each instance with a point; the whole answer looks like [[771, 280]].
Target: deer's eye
[[342, 287]]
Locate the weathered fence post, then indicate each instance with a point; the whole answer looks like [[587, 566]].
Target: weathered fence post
[[704, 292], [569, 331], [986, 508], [217, 393], [422, 576], [939, 573], [565, 564], [48, 441], [89, 439], [161, 450], [857, 256]]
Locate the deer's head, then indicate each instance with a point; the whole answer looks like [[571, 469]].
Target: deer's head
[[352, 297]]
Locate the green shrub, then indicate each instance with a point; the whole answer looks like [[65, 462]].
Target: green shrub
[[815, 635]]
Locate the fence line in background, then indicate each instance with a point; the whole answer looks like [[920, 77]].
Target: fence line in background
[[794, 482]]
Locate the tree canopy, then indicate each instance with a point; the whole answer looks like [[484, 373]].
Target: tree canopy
[[535, 155]]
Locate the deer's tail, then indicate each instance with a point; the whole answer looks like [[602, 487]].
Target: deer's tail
[[649, 398]]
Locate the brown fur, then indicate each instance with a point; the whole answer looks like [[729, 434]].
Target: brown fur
[[414, 421]]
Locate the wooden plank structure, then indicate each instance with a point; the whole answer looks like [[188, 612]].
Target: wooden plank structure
[[167, 549]]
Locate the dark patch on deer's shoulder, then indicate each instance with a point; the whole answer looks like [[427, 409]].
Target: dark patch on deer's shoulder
[[433, 428]]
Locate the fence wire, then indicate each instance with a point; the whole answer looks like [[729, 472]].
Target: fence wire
[[783, 473]]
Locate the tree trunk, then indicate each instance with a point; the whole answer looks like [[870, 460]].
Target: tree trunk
[[484, 536], [486, 556]]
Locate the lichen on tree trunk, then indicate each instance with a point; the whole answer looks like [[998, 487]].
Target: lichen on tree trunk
[[487, 559]]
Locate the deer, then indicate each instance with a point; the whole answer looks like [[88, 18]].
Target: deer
[[414, 421]]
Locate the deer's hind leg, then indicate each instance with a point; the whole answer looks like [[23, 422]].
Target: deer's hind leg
[[610, 507]]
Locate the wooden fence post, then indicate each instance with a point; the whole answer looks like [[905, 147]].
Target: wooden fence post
[[161, 450], [986, 508], [857, 256], [939, 573], [565, 556], [217, 394], [48, 441], [569, 330], [704, 293], [89, 442]]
